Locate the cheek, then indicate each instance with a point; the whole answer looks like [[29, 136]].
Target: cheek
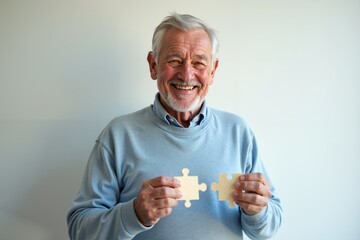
[[205, 79], [167, 74], [163, 80]]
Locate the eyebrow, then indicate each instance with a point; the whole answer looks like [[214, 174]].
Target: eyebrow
[[201, 56], [174, 54], [177, 54]]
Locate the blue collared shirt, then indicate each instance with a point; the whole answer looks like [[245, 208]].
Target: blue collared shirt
[[160, 111]]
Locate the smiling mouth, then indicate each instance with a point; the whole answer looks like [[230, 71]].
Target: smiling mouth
[[184, 87]]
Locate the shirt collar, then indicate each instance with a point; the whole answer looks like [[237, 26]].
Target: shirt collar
[[160, 112]]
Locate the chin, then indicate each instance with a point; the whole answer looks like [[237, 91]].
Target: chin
[[180, 107]]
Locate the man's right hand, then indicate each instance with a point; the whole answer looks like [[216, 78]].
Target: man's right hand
[[156, 199]]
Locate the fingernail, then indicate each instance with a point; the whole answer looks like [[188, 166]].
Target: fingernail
[[235, 194], [180, 194], [237, 185], [242, 178], [178, 182]]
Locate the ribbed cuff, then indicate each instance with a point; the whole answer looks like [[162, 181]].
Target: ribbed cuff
[[257, 219], [130, 221]]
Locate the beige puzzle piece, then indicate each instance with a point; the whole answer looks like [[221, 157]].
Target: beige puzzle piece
[[226, 187], [190, 187]]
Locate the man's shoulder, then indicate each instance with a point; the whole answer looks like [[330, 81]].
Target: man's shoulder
[[130, 117], [227, 117], [231, 122], [128, 121]]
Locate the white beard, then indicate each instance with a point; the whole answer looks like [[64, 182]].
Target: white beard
[[177, 106]]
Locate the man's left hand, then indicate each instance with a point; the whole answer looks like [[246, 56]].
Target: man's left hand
[[252, 193]]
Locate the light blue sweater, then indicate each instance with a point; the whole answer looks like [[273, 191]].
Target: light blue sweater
[[142, 145]]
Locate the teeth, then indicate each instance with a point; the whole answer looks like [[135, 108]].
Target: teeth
[[184, 87]]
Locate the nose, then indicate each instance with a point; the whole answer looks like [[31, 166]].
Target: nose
[[186, 72]]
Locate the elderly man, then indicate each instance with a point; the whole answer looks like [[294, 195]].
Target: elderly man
[[129, 190]]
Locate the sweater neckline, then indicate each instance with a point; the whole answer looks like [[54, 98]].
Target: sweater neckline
[[197, 130]]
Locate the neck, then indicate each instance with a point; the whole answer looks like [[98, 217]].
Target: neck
[[184, 118]]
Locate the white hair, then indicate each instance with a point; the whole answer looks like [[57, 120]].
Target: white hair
[[183, 22]]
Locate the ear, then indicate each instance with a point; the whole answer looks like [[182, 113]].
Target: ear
[[213, 71], [152, 65]]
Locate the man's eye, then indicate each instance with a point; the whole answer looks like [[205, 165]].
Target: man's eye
[[174, 62], [200, 65]]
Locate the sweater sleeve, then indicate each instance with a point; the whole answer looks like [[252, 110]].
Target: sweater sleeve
[[96, 212], [265, 224]]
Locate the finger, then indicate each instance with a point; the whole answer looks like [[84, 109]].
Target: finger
[[250, 209], [253, 187], [250, 198], [257, 177], [164, 181], [166, 192], [263, 188], [250, 203], [161, 212], [149, 211], [165, 203]]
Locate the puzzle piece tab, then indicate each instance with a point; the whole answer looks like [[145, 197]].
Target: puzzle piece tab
[[226, 187], [190, 187]]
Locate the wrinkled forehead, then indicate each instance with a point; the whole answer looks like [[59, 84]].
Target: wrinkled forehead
[[193, 40]]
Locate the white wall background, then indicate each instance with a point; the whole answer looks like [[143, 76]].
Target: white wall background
[[291, 68]]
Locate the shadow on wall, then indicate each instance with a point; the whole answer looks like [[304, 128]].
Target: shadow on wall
[[43, 177], [42, 214], [12, 227], [46, 139], [49, 200]]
